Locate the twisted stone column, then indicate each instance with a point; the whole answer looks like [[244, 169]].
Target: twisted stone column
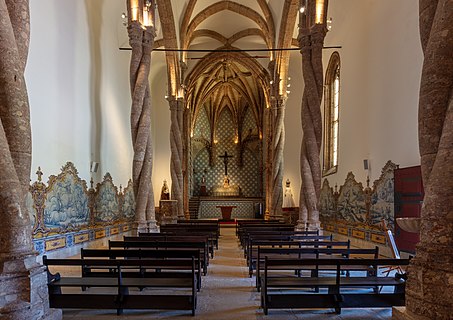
[[278, 143], [176, 145], [141, 40], [311, 41], [23, 281], [429, 289]]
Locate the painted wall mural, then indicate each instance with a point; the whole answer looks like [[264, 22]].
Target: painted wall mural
[[351, 201], [356, 211], [128, 205], [106, 208], [65, 212], [66, 205]]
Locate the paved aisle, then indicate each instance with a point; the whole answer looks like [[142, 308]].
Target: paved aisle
[[228, 293]]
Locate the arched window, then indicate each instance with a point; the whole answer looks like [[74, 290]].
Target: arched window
[[331, 115]]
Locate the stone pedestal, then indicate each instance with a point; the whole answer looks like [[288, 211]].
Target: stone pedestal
[[168, 211]]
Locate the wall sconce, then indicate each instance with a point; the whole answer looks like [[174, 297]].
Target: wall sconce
[[94, 166], [124, 17], [329, 24]]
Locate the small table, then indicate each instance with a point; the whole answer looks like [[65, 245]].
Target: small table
[[226, 211]]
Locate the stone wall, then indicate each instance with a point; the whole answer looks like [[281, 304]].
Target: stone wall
[[65, 212], [356, 212]]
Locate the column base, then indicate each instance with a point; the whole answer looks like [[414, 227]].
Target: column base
[[140, 227], [24, 291], [401, 313], [152, 226], [300, 225]]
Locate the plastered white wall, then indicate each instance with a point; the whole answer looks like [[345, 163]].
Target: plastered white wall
[[381, 62], [79, 88]]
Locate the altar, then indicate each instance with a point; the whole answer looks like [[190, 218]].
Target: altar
[[241, 208], [226, 211]]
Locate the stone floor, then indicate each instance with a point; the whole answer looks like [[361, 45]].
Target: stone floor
[[228, 293]]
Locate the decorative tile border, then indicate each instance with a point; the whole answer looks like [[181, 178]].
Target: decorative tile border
[[82, 237], [54, 244]]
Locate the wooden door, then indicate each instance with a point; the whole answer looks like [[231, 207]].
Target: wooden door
[[408, 203]]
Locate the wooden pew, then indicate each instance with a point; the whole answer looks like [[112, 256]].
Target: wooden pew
[[244, 222], [164, 245], [316, 252], [210, 238], [270, 228], [263, 233], [253, 242], [199, 228], [336, 291], [118, 292], [139, 254]]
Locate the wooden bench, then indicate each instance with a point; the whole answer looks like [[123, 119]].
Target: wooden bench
[[164, 245], [269, 228], [316, 252], [264, 234], [251, 253], [117, 292], [244, 222], [335, 291], [140, 254], [209, 238], [192, 227]]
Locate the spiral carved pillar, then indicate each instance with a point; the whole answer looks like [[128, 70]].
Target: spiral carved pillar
[[23, 281], [311, 41], [176, 145], [429, 288], [278, 142], [141, 40]]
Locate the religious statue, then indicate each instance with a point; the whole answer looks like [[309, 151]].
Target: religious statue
[[226, 182], [288, 200], [165, 192]]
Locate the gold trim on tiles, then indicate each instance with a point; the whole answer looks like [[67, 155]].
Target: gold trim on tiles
[[80, 238], [358, 234], [99, 234], [378, 238], [55, 244]]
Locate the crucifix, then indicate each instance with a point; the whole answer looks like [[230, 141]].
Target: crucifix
[[225, 161]]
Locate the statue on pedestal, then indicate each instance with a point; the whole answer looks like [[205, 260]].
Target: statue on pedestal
[[288, 200], [165, 192]]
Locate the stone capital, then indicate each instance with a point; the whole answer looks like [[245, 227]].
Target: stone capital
[[278, 102], [175, 103], [135, 32], [149, 33]]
